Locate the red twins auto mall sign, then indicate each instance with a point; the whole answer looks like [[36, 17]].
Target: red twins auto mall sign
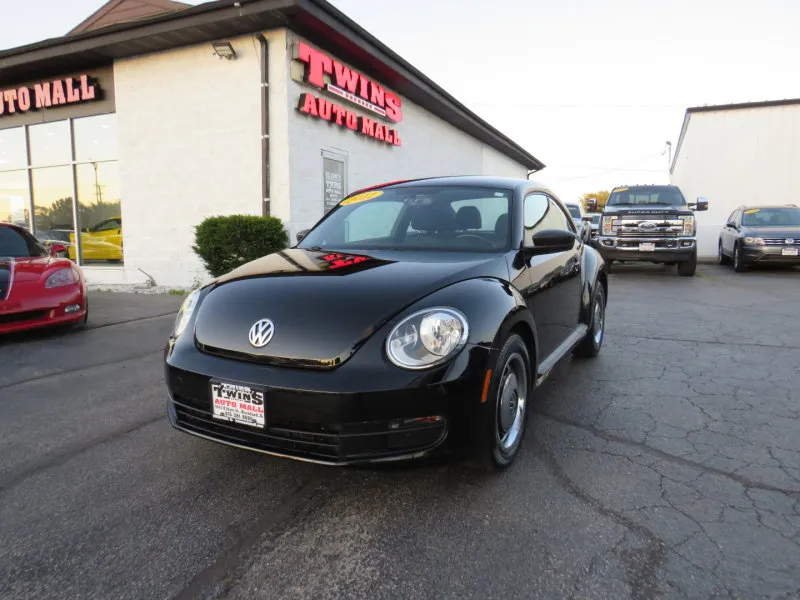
[[47, 94], [352, 87]]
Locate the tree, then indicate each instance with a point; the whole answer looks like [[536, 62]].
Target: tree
[[601, 196]]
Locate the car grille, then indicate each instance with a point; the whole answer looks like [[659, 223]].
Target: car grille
[[660, 232], [329, 443], [33, 315], [780, 241]]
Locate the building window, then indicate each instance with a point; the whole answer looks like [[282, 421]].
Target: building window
[[61, 178]]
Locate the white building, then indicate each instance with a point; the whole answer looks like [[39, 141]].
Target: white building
[[158, 115], [737, 154]]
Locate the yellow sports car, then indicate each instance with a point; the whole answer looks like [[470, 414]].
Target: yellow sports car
[[102, 241]]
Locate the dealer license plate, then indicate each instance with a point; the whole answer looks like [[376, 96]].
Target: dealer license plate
[[236, 403], [647, 247], [790, 252]]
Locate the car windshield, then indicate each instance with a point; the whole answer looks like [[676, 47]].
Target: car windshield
[[444, 217], [574, 210], [16, 244], [771, 217], [656, 195], [595, 219]]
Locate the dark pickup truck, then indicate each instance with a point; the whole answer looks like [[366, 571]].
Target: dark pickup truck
[[651, 223]]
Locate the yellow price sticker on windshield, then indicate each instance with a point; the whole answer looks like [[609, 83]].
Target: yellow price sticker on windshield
[[621, 190], [751, 211], [362, 197]]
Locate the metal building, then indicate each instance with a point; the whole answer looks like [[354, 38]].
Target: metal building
[[737, 154]]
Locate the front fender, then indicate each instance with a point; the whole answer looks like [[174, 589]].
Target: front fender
[[493, 308], [594, 272]]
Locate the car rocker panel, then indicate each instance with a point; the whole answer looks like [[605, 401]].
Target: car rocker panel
[[344, 357]]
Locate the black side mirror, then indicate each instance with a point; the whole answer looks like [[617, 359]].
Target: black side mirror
[[551, 240], [301, 234], [700, 205]]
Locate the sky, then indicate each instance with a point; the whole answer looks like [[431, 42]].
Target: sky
[[592, 89]]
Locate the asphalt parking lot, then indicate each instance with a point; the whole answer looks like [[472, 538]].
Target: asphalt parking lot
[[669, 467]]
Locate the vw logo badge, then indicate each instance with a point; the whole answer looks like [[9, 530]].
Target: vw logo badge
[[790, 240], [261, 333]]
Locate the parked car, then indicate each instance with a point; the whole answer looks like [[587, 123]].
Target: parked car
[[761, 235], [38, 289], [581, 224], [100, 242], [653, 223], [414, 317], [593, 220]]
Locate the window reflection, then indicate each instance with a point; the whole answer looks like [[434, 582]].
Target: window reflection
[[95, 138], [50, 144], [52, 205], [46, 186], [99, 212], [14, 204], [12, 149]]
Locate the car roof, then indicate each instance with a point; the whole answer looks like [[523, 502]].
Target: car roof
[[749, 206], [516, 183]]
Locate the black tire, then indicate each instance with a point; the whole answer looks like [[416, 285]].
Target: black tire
[[506, 389], [687, 268], [609, 264], [591, 344], [739, 265], [721, 258]]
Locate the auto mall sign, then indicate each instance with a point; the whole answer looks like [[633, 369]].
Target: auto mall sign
[[337, 80]]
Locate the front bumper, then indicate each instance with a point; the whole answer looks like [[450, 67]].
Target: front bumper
[[46, 310], [627, 248], [339, 417], [769, 255]]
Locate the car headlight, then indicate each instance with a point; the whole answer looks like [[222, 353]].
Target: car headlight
[[185, 313], [688, 225], [754, 241], [61, 278], [607, 223], [427, 338]]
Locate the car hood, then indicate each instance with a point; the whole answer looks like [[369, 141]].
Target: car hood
[[324, 305], [786, 232], [641, 211], [16, 272]]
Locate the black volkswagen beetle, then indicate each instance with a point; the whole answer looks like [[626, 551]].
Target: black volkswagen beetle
[[415, 316]]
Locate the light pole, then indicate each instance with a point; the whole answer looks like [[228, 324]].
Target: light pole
[[669, 156]]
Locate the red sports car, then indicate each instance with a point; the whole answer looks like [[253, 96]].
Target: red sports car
[[38, 289]]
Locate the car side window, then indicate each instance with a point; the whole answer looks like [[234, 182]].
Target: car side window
[[542, 212], [732, 219]]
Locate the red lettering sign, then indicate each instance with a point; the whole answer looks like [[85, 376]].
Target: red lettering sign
[[335, 114], [347, 83], [47, 94]]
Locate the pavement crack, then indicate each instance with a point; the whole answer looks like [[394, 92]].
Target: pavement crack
[[172, 313], [690, 341], [71, 370], [641, 564], [71, 451], [220, 576], [746, 482]]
